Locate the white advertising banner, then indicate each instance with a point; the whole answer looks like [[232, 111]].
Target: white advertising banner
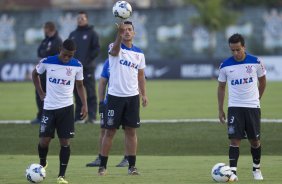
[[273, 65]]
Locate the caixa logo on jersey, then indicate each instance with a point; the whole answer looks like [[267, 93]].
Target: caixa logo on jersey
[[128, 63], [242, 81], [59, 81]]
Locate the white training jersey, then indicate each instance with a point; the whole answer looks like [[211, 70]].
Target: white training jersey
[[242, 79], [60, 80], [124, 68]]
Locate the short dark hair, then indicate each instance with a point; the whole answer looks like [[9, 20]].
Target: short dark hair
[[129, 22], [69, 45], [236, 38], [83, 12], [50, 25]]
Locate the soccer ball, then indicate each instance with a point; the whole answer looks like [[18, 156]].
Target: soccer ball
[[35, 173], [221, 172], [122, 9]]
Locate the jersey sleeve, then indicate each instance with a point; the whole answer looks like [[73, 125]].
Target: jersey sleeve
[[41, 66], [105, 71], [110, 47], [143, 62], [222, 74], [79, 74], [260, 69]]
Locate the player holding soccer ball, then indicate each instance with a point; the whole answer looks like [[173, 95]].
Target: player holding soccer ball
[[62, 72], [127, 80], [245, 75]]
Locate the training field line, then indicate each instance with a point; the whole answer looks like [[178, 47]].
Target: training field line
[[155, 121]]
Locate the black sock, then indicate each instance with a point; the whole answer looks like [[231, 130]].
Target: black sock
[[256, 154], [64, 159], [233, 157], [99, 156], [131, 160], [125, 157], [104, 161], [42, 153]]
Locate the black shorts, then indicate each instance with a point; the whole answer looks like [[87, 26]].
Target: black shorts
[[60, 119], [122, 111], [244, 123]]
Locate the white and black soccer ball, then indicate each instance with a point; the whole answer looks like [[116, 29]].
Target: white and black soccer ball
[[35, 173], [122, 9], [221, 172]]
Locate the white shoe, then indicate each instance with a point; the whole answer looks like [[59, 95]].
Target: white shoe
[[233, 178], [257, 174]]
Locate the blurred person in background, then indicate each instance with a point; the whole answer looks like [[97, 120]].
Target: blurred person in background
[[102, 93], [245, 75], [50, 46], [88, 47], [63, 72]]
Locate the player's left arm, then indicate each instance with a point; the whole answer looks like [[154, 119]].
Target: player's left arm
[[82, 95], [261, 73], [142, 87], [261, 85]]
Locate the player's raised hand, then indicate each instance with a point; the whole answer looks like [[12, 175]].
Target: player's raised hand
[[120, 27]]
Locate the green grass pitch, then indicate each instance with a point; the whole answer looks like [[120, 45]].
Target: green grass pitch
[[172, 99], [167, 153]]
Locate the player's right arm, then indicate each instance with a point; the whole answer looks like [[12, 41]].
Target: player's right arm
[[220, 100], [37, 84], [39, 69], [114, 51], [102, 88]]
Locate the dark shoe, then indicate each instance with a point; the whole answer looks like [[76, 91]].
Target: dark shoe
[[133, 171], [35, 121], [95, 163], [123, 163], [102, 171]]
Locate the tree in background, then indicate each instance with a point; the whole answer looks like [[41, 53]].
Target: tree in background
[[214, 16]]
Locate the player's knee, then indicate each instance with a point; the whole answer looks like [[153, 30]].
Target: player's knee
[[255, 143], [130, 132], [110, 133]]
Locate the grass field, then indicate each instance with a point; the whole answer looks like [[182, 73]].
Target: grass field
[[167, 153], [153, 169], [167, 100]]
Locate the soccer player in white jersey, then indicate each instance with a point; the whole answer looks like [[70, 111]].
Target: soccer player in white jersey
[[63, 71], [126, 87], [245, 75]]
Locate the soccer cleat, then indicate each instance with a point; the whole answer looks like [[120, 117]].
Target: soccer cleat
[[61, 180], [95, 163], [46, 165], [133, 171], [257, 174], [102, 171], [233, 178], [123, 163]]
